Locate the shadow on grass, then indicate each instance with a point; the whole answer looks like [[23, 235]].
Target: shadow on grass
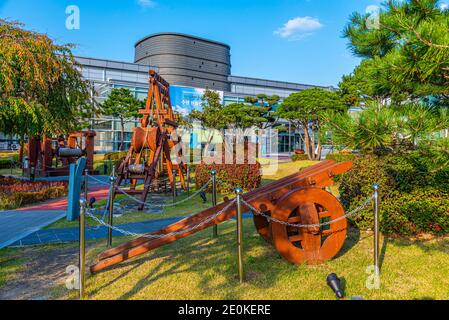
[[352, 239], [208, 258]]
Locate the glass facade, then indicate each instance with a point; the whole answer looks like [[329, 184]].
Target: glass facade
[[106, 75]]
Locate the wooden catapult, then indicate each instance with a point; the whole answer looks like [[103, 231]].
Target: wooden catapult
[[49, 157], [299, 199], [149, 157]]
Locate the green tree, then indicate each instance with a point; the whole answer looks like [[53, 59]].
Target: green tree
[[122, 104], [378, 129], [306, 110], [41, 88], [407, 51]]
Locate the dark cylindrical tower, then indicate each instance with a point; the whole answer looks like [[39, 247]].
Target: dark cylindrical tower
[[186, 60]]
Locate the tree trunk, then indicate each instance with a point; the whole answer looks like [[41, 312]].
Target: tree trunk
[[122, 145], [305, 127], [21, 149]]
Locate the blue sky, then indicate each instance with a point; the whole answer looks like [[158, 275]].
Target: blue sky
[[298, 41]]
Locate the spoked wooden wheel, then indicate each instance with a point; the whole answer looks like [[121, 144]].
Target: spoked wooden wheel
[[312, 245]]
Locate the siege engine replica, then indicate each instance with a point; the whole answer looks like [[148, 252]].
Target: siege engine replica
[[299, 199], [49, 157], [149, 157]]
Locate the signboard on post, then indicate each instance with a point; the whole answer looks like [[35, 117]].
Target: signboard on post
[[76, 174]]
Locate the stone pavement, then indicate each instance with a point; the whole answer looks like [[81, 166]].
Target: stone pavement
[[18, 224], [15, 225], [53, 236]]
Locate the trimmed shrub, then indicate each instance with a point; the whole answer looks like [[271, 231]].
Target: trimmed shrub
[[340, 157], [16, 193], [245, 176], [412, 199], [114, 156], [300, 157]]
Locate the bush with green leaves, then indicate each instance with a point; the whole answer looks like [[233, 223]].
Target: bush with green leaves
[[339, 157], [245, 176], [413, 192], [300, 157]]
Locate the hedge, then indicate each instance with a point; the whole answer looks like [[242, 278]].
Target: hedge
[[413, 197], [340, 157], [245, 176], [16, 193], [300, 157], [115, 155]]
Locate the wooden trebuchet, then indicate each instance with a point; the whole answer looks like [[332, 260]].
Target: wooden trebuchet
[[149, 157]]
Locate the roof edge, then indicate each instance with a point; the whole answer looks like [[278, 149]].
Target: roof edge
[[181, 35]]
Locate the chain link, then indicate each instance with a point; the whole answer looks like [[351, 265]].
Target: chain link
[[171, 234], [353, 213]]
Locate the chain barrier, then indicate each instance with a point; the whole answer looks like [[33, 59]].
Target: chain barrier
[[353, 213], [155, 204], [155, 236], [166, 205]]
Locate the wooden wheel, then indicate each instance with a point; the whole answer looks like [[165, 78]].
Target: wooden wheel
[[308, 245]]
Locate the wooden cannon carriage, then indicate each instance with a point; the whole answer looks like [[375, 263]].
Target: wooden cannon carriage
[[149, 157], [52, 156], [296, 199]]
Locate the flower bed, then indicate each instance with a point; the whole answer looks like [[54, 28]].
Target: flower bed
[[16, 193]]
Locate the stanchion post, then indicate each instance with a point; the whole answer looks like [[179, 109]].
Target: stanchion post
[[174, 186], [214, 198], [239, 193], [86, 184], [82, 253], [111, 208], [376, 228], [188, 181]]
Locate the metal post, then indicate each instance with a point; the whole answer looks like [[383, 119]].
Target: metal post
[[111, 209], [376, 228], [86, 184], [239, 193], [82, 253], [214, 198], [188, 181], [174, 186]]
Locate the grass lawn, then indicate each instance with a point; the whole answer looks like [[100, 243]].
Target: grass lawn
[[200, 267]]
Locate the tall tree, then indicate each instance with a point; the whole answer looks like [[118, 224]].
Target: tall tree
[[407, 51], [122, 104], [41, 88], [306, 110]]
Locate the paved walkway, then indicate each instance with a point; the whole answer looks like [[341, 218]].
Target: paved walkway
[[18, 224], [52, 236], [15, 225]]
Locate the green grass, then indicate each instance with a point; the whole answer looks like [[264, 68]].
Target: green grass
[[199, 267], [11, 262]]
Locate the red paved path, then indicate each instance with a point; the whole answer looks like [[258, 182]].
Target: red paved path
[[61, 204]]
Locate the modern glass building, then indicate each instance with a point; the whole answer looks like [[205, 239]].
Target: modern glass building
[[190, 64]]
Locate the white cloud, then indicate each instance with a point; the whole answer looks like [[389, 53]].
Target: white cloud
[[299, 28], [146, 3], [444, 6]]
